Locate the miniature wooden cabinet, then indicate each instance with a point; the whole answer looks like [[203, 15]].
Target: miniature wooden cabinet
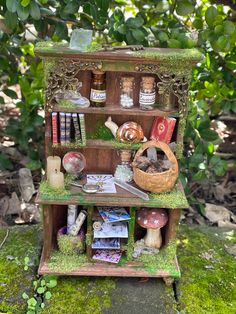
[[64, 69]]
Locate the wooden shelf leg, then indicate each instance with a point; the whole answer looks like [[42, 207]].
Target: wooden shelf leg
[[47, 231], [131, 224], [89, 234], [173, 223], [168, 281]]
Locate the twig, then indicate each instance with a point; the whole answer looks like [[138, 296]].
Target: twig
[[4, 240]]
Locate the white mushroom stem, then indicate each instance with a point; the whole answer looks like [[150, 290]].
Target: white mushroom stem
[[153, 238]]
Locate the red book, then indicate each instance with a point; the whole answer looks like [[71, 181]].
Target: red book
[[162, 129], [54, 128]]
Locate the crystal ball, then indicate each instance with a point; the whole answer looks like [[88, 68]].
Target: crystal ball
[[74, 162]]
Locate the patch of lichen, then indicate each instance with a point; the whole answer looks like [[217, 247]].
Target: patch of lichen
[[173, 199], [208, 271], [161, 261], [80, 295], [21, 242], [101, 132], [93, 47], [62, 263], [181, 129]]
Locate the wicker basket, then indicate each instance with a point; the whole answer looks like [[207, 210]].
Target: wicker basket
[[160, 181]]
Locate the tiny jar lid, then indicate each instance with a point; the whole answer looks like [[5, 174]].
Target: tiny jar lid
[[148, 82], [127, 81]]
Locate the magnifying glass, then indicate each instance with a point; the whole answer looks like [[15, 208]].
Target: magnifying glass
[[87, 188]]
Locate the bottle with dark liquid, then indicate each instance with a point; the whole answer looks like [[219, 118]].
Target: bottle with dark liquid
[[98, 89]]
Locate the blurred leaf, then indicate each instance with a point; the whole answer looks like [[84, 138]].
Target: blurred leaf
[[61, 30], [228, 27], [184, 7], [11, 19], [218, 165], [71, 7], [34, 10], [135, 22], [24, 3], [5, 162], [138, 35], [10, 93], [162, 36], [210, 15], [173, 43], [23, 12], [11, 5]]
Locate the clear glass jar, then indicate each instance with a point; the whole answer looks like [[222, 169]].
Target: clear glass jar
[[147, 94], [127, 92]]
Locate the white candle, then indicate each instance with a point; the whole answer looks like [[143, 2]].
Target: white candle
[[53, 163], [56, 180]]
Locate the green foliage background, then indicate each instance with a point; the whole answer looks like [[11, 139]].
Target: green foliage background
[[209, 25]]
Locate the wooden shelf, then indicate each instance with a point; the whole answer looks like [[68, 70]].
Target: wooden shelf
[[173, 199], [130, 269], [97, 144], [117, 110]]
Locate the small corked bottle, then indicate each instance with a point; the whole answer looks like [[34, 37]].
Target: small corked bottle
[[127, 92], [147, 94], [98, 89]]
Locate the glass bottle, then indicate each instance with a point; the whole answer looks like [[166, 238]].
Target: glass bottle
[[98, 89], [127, 92], [123, 170], [147, 94]]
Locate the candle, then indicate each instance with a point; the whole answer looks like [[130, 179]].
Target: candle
[[56, 180], [53, 163]]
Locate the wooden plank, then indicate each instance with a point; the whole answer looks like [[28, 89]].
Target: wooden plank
[[104, 269], [89, 234], [113, 109], [47, 230]]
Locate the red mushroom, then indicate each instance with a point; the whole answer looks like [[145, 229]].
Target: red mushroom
[[153, 220]]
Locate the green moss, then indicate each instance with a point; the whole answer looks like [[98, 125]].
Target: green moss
[[208, 271], [101, 132], [50, 44], [172, 56], [48, 193], [89, 235], [69, 244], [173, 199], [62, 263], [131, 224], [80, 295], [73, 145], [21, 242], [120, 145], [66, 104], [93, 47], [164, 260]]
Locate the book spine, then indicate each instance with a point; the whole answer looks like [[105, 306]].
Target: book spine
[[170, 130], [68, 125], [76, 126], [54, 128], [82, 128], [62, 128]]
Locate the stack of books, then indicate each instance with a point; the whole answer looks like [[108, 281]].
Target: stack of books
[[68, 128], [107, 239]]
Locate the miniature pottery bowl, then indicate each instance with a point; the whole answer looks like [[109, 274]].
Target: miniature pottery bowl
[[68, 244]]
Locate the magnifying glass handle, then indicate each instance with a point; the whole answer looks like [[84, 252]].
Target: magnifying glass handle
[[76, 184]]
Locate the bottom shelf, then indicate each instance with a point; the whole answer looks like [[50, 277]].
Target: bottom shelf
[[122, 269]]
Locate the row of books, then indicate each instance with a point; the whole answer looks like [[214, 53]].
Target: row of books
[[67, 128], [107, 239]]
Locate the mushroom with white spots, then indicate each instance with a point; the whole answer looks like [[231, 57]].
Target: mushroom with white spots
[[153, 219]]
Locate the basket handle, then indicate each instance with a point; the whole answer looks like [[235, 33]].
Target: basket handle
[[163, 146]]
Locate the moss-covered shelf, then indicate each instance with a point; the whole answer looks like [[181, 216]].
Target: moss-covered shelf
[[60, 264], [173, 199], [115, 109]]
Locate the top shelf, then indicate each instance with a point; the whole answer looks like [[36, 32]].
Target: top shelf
[[117, 110]]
